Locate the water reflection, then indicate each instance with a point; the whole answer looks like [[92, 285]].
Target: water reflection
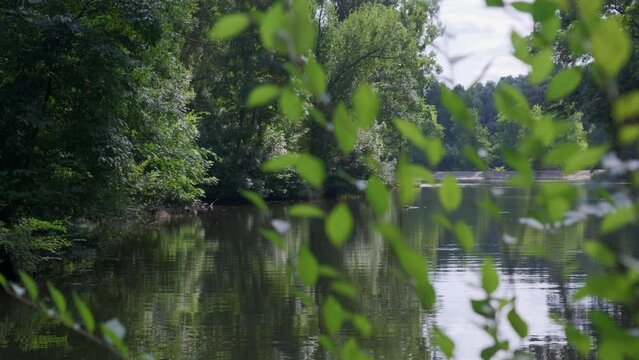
[[209, 288]]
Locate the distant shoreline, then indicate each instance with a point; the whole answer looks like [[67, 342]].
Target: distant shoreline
[[498, 176]]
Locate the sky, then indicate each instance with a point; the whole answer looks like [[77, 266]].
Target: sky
[[483, 35]]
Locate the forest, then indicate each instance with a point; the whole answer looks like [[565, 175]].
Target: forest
[[112, 111]]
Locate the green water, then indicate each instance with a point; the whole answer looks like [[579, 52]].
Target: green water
[[208, 287]]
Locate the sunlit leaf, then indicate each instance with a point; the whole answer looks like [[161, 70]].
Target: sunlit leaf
[[58, 299], [578, 340], [229, 26], [281, 162], [290, 105], [464, 235], [432, 147], [316, 77], [426, 294], [311, 169], [446, 344], [333, 314], [455, 105], [262, 95], [272, 236], [308, 267], [378, 196], [489, 276], [518, 324], [362, 324], [270, 23], [345, 129], [563, 84], [450, 194], [345, 289], [85, 313], [542, 66], [366, 105], [618, 219], [611, 45], [339, 225], [512, 104], [306, 211], [627, 106], [254, 198], [30, 284], [584, 159], [329, 272], [600, 252]]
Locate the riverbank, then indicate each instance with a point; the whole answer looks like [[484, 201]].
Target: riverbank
[[501, 176]]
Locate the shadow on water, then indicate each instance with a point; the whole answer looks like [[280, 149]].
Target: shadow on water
[[209, 287]]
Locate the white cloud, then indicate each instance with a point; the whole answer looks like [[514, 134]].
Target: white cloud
[[480, 35]]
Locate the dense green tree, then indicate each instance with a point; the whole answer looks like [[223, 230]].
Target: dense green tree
[[93, 112]]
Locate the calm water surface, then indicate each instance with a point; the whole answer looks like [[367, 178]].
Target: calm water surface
[[208, 287]]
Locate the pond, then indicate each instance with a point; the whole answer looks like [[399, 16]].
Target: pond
[[208, 287]]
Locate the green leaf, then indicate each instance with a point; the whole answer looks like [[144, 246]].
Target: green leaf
[[329, 272], [272, 236], [308, 267], [426, 294], [464, 235], [578, 340], [306, 211], [618, 219], [626, 106], [85, 313], [611, 45], [303, 30], [262, 95], [229, 26], [308, 166], [334, 315], [512, 104], [489, 276], [58, 299], [522, 6], [30, 284], [345, 129], [366, 105], [563, 84], [114, 332], [339, 225], [518, 324], [3, 282], [432, 147], [446, 344], [378, 196], [344, 288], [542, 65], [290, 105], [281, 162], [450, 194], [455, 105], [584, 159], [311, 169], [316, 77], [497, 3], [270, 23], [364, 326], [600, 252], [255, 199]]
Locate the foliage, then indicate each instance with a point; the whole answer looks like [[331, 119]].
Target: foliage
[[538, 138], [108, 335], [92, 108]]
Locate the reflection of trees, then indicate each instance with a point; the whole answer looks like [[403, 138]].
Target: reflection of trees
[[210, 287]]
